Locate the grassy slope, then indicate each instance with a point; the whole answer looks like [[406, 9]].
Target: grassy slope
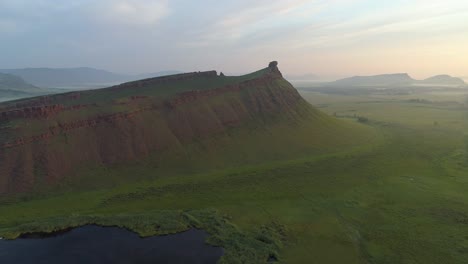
[[399, 199], [212, 166], [199, 187]]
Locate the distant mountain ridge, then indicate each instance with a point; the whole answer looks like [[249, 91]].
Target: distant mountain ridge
[[12, 82], [397, 80], [376, 80], [444, 80], [14, 87], [81, 78]]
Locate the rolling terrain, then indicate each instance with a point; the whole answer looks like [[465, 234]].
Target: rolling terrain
[[84, 155], [379, 178]]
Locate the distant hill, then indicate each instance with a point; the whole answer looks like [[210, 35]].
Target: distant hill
[[11, 82], [443, 80], [76, 78], [14, 87], [397, 79]]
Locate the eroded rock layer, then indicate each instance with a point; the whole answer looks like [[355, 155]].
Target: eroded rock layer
[[48, 139]]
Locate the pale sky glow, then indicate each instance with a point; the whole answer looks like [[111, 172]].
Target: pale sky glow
[[327, 37]]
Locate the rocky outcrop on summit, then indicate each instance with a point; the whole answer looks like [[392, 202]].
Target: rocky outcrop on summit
[[131, 121]]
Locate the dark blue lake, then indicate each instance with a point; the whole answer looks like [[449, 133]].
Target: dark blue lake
[[94, 244]]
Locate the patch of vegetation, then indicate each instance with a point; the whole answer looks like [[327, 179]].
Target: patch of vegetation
[[240, 247], [363, 119]]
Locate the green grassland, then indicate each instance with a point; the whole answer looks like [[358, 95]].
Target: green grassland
[[396, 192]]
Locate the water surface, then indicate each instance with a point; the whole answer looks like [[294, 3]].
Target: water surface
[[103, 245]]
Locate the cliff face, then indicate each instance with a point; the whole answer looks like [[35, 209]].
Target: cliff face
[[47, 139]]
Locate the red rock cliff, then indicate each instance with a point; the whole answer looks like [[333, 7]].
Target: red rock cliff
[[58, 149]]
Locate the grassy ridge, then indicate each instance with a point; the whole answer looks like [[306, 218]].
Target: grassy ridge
[[105, 95], [47, 150]]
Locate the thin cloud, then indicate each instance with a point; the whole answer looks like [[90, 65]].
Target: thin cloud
[[7, 26], [251, 20], [429, 20], [30, 13], [150, 35], [136, 12]]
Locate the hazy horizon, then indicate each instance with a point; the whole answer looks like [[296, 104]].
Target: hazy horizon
[[336, 38]]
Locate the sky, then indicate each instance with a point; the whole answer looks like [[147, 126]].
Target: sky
[[326, 37]]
